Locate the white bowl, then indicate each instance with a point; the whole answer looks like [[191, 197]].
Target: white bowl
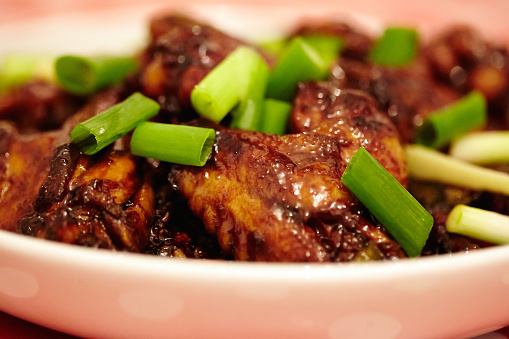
[[97, 293]]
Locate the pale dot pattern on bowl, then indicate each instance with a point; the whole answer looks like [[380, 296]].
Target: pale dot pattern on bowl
[[263, 293], [150, 304], [17, 284], [366, 325], [505, 279]]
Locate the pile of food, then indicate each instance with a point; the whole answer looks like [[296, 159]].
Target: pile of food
[[285, 136]]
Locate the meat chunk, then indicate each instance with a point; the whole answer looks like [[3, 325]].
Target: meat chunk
[[463, 59], [280, 198], [101, 201], [25, 161], [408, 94], [38, 106]]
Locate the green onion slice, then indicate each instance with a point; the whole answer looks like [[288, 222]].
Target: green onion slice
[[482, 148], [228, 84], [19, 68], [299, 62], [428, 164], [452, 121], [328, 46], [276, 116], [389, 202], [86, 75], [180, 144], [101, 130], [253, 76], [396, 47], [478, 223]]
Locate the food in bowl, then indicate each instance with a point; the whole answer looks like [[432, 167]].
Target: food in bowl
[[259, 196]]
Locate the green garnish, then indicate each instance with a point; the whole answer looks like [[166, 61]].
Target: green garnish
[[298, 62], [86, 75], [452, 121], [477, 223], [328, 46], [101, 130], [486, 147], [275, 119], [396, 47], [228, 84], [428, 164], [180, 144], [254, 74], [18, 68], [389, 202]]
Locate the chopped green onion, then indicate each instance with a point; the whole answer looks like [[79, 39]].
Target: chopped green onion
[[428, 164], [180, 144], [396, 47], [298, 62], [253, 76], [227, 84], [328, 46], [480, 224], [19, 68], [389, 202], [274, 46], [86, 75], [482, 147], [452, 121], [101, 130], [275, 119]]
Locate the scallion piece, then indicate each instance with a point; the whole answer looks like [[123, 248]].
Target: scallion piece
[[86, 75], [396, 47], [274, 46], [180, 144], [252, 83], [298, 62], [482, 148], [478, 223], [275, 118], [101, 130], [328, 46], [452, 121], [389, 202], [225, 86], [428, 164], [18, 68]]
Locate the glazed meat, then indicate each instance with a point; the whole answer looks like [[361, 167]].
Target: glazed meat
[[102, 201], [38, 106], [463, 59], [280, 198], [25, 159], [408, 94]]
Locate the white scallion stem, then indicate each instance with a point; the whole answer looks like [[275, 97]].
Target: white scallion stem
[[477, 223], [427, 164], [482, 147]]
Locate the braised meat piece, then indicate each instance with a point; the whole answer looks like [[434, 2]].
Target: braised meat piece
[[353, 119], [38, 106], [280, 198], [463, 59], [102, 201], [25, 160], [408, 94]]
